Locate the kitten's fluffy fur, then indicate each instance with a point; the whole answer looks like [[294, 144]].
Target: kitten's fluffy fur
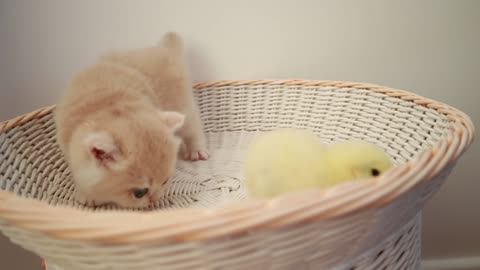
[[117, 124]]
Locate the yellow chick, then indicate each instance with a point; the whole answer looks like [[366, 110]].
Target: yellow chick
[[289, 160]]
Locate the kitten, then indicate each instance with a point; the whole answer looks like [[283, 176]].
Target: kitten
[[123, 121]]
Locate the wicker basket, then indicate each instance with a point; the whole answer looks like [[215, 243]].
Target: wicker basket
[[372, 224]]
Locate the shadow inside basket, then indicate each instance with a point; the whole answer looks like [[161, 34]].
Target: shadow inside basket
[[31, 164]]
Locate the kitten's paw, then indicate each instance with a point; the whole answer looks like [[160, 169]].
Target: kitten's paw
[[197, 155], [83, 200]]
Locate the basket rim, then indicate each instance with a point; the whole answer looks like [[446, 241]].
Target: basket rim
[[189, 224]]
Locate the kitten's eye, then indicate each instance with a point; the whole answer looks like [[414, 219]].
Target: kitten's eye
[[140, 192], [375, 172]]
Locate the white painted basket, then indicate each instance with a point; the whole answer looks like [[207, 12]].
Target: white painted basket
[[205, 223]]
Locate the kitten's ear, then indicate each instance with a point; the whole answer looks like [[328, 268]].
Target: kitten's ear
[[172, 120], [102, 148]]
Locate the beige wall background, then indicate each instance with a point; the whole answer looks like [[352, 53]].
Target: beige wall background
[[430, 47]]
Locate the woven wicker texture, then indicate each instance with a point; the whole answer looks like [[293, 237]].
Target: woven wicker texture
[[204, 223]]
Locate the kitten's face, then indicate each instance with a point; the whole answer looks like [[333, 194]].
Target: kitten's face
[[135, 183], [130, 167]]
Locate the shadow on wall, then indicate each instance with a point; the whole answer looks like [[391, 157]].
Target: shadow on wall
[[15, 257]]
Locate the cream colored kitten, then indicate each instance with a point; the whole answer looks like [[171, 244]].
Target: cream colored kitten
[[118, 122]]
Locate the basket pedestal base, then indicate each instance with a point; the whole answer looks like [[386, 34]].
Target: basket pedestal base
[[401, 250]]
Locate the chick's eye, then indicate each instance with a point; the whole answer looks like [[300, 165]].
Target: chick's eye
[[140, 192], [375, 172]]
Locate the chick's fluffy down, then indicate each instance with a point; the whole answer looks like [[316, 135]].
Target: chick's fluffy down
[[282, 161]]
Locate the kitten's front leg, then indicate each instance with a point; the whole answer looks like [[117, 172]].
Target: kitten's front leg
[[194, 142]]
